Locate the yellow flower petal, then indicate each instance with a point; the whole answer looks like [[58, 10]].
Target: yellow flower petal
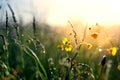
[[89, 46], [113, 51], [65, 41], [60, 47], [68, 48], [94, 35]]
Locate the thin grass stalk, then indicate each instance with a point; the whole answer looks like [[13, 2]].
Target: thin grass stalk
[[75, 34], [13, 15], [34, 32], [6, 24], [34, 27], [84, 35], [15, 21], [37, 42], [76, 42]]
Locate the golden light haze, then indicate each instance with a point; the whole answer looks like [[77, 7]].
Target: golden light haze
[[105, 12]]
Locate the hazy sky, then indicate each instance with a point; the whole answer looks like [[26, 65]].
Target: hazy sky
[[101, 11], [60, 11]]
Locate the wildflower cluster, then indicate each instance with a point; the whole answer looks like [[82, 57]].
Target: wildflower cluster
[[18, 51], [66, 45]]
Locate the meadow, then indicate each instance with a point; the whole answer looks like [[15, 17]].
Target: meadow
[[38, 52]]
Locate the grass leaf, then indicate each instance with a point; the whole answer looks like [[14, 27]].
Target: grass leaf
[[33, 55]]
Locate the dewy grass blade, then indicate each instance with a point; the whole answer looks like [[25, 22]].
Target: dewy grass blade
[[27, 50], [15, 20]]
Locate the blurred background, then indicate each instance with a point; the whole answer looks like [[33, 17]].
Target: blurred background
[[56, 13], [60, 11]]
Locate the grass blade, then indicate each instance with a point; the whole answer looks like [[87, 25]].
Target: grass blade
[[33, 55]]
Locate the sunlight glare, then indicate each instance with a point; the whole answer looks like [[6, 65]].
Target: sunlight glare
[[91, 11]]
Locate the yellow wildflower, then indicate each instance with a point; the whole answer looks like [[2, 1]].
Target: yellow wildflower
[[94, 35], [60, 47], [65, 41], [113, 51], [73, 62], [28, 41], [68, 48], [118, 67], [89, 46]]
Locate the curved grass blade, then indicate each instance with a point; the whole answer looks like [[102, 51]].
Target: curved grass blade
[[33, 55]]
